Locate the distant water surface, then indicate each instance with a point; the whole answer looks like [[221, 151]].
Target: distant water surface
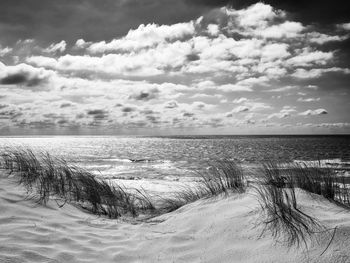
[[179, 156]]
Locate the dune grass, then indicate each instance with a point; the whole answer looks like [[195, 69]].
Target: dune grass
[[221, 177], [45, 177], [283, 217], [321, 181]]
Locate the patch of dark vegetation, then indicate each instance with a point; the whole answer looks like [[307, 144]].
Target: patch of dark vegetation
[[221, 177], [321, 181], [283, 217], [45, 176]]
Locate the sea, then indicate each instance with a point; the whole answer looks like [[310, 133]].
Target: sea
[[176, 158]]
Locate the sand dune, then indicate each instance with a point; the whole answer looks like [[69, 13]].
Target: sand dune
[[215, 230]]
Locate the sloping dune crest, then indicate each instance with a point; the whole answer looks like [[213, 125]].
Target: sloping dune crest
[[214, 230]]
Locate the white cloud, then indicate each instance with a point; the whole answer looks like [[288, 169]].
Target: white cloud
[[282, 89], [345, 26], [308, 99], [145, 36], [4, 51], [285, 30], [213, 29], [240, 100], [275, 51], [240, 109], [256, 15], [314, 112], [317, 72], [23, 74], [56, 47], [308, 58], [320, 38]]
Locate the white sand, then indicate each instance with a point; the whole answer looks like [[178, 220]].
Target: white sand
[[216, 230]]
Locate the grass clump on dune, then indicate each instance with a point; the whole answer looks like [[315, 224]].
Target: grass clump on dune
[[283, 217], [46, 177], [321, 181], [221, 177]]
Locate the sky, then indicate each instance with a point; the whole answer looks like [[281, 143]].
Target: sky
[[165, 67]]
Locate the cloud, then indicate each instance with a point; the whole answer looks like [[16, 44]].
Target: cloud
[[240, 100], [145, 95], [345, 26], [5, 51], [282, 89], [240, 109], [314, 112], [284, 113], [171, 104], [308, 99], [23, 74], [145, 36], [319, 38], [187, 74], [56, 47], [308, 58], [317, 72], [98, 114]]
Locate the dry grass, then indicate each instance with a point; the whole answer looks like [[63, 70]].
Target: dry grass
[[283, 217], [222, 177], [321, 181], [45, 177]]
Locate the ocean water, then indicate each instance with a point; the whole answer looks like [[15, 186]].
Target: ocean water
[[173, 158]]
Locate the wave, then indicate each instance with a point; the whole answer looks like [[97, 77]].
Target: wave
[[142, 160]]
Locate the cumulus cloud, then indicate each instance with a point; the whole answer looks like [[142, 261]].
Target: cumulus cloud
[[145, 95], [240, 100], [319, 38], [5, 51], [158, 75], [23, 74], [145, 36], [307, 57], [171, 104], [56, 47], [240, 109], [308, 99], [345, 26], [314, 112], [317, 72]]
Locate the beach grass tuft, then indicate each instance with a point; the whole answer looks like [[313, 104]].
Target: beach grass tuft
[[321, 181], [221, 177], [283, 217], [45, 176]]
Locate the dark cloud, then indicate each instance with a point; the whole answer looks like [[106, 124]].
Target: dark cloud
[[171, 105], [98, 114], [20, 78], [128, 109], [14, 79], [188, 114], [6, 113], [145, 95], [65, 105]]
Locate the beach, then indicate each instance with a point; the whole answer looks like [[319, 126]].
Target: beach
[[219, 229]]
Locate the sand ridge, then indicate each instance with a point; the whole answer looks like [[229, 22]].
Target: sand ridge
[[214, 230]]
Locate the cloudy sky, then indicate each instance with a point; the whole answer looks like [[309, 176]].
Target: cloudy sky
[[159, 67]]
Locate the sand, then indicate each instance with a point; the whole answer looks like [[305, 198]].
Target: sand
[[215, 230]]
